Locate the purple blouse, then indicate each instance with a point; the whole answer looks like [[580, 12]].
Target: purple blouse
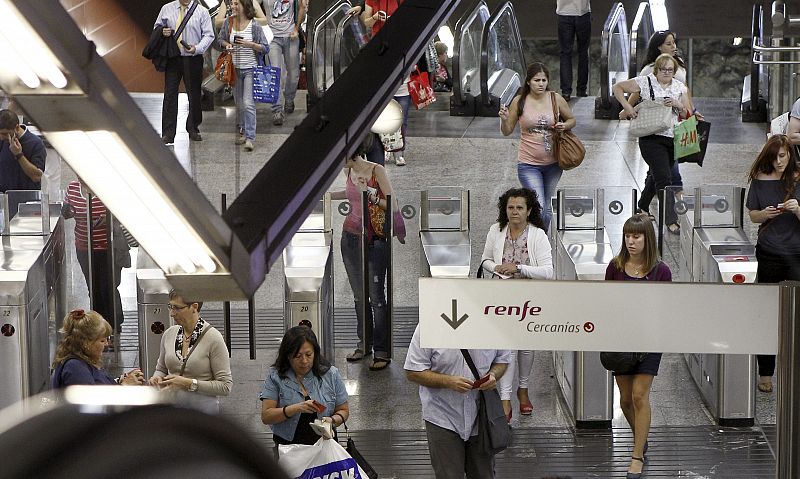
[[661, 272]]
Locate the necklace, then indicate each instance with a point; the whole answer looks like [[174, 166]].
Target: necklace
[[637, 270]]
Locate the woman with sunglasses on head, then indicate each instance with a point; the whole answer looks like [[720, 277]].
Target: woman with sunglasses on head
[[638, 261], [79, 356], [657, 149], [193, 357], [772, 204]]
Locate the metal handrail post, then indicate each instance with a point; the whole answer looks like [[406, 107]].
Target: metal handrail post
[[389, 268], [226, 305], [365, 270], [787, 406]]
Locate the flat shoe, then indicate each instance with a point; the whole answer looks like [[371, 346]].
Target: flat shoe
[[526, 409], [765, 387], [674, 228], [378, 364], [356, 355]]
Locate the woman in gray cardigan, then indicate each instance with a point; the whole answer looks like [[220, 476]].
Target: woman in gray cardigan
[[193, 357]]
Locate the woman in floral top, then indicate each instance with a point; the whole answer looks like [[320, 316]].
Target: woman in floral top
[[517, 247]]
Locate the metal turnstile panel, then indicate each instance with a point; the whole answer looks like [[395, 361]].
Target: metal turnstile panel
[[13, 374], [152, 297]]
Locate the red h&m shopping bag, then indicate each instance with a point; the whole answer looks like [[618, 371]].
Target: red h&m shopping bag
[[419, 87]]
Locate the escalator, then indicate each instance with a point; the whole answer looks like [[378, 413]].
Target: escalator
[[333, 43], [641, 31], [755, 90], [615, 62], [489, 65]]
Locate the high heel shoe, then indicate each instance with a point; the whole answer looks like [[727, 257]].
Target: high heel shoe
[[636, 475]]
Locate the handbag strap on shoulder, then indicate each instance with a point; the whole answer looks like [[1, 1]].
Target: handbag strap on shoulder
[[650, 84], [470, 363], [556, 114], [202, 333], [185, 20]]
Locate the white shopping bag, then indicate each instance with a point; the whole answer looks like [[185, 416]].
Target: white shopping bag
[[325, 459]]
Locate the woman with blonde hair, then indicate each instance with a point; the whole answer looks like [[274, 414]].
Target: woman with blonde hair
[[79, 356], [638, 261]]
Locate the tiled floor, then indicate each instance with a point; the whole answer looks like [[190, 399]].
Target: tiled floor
[[470, 152]]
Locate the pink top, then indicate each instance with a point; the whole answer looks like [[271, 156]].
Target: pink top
[[536, 136], [352, 222]]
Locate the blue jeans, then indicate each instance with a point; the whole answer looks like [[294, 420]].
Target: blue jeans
[[245, 105], [405, 103], [284, 52], [543, 179], [377, 312]]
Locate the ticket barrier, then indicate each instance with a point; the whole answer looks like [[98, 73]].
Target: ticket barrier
[[152, 297], [32, 292], [715, 249], [582, 250], [444, 233], [308, 270]]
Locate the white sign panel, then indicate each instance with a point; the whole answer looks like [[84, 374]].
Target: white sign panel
[[599, 316]]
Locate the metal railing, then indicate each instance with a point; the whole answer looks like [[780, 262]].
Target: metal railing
[[321, 45], [641, 31], [616, 25]]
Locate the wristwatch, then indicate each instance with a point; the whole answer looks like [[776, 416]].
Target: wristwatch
[[19, 155], [193, 387]]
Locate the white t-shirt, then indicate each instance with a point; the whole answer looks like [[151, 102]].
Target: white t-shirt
[[573, 8], [675, 90]]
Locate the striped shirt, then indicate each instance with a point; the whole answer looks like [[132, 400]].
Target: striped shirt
[[243, 57], [76, 198]]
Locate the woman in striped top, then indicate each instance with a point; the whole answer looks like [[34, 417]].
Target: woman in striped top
[[245, 39]]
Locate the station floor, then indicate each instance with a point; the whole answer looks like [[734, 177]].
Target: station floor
[[385, 412]]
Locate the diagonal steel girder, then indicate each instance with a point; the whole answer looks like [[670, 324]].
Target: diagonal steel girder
[[272, 207]]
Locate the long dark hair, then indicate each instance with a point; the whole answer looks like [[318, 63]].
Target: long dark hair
[[533, 69], [653, 45], [291, 343], [769, 153], [531, 201], [248, 9]]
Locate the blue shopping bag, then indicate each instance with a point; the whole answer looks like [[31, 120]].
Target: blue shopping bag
[[266, 82]]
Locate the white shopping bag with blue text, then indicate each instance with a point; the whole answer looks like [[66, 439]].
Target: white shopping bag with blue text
[[324, 460]]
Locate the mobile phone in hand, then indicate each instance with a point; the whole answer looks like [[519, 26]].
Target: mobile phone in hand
[[238, 39], [780, 207], [186, 46], [480, 382], [320, 407]]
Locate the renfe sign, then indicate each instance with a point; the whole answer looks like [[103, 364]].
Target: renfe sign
[[599, 316]]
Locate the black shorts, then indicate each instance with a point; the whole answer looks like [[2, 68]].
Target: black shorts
[[649, 366]]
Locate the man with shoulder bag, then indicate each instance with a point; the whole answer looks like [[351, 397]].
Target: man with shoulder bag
[[454, 407]]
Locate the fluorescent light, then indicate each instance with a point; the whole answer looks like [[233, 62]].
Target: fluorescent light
[[737, 41], [446, 36], [102, 160], [30, 56], [658, 11]]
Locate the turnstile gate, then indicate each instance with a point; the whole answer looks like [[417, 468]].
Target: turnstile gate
[[152, 297], [715, 249], [444, 233], [308, 270], [583, 249], [31, 292]]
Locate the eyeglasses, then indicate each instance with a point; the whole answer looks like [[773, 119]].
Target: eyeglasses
[[175, 307], [666, 70]]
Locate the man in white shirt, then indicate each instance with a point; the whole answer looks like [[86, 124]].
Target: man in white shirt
[[574, 21]]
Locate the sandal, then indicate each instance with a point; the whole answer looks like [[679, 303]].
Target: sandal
[[379, 363], [765, 387], [645, 212], [674, 228], [356, 355], [526, 409], [635, 475]]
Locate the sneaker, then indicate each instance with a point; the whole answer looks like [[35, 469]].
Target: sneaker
[[400, 161], [248, 145], [388, 157], [582, 93], [168, 141], [195, 136], [567, 96], [289, 107], [277, 118], [240, 139]]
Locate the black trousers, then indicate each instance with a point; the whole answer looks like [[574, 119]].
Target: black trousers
[[190, 70], [658, 152], [774, 268], [104, 293], [570, 27]]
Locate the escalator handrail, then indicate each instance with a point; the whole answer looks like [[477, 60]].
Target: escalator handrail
[[644, 8], [487, 27], [616, 14], [463, 23], [310, 70], [337, 45], [757, 33]]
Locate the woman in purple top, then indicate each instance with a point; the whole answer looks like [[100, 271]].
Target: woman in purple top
[[638, 261]]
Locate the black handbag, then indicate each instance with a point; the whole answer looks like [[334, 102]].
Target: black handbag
[[494, 433], [621, 362], [358, 457]]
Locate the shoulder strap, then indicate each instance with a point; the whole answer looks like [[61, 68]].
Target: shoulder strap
[[185, 20], [470, 363], [555, 107], [650, 84], [202, 333]]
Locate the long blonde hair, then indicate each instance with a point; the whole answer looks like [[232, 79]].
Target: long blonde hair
[[639, 224], [80, 329]]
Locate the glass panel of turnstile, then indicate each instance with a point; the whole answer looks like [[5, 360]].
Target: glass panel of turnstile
[[444, 232], [467, 60], [308, 270], [152, 297], [715, 249]]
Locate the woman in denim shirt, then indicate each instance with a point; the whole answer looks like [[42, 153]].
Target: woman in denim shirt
[[299, 378]]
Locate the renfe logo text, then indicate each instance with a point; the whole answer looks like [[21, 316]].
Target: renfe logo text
[[521, 311]]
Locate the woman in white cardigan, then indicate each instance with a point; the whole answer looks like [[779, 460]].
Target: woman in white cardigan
[[517, 247]]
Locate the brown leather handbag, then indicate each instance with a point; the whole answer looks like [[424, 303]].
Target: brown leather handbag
[[567, 147], [224, 70]]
